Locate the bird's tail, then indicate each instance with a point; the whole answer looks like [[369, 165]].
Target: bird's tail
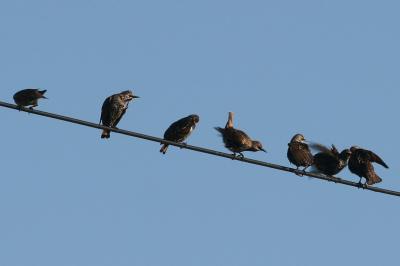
[[105, 134], [164, 148], [373, 178]]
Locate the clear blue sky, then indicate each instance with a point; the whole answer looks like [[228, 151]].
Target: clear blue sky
[[327, 69]]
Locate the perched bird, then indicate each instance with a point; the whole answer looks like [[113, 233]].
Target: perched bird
[[299, 153], [236, 140], [29, 97], [180, 130], [114, 107], [360, 163], [330, 161]]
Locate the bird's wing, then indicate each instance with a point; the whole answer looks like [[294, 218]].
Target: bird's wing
[[376, 159], [241, 137], [179, 130], [301, 153], [320, 148], [105, 111]]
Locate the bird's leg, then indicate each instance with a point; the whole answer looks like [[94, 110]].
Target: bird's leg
[[360, 185], [298, 172], [184, 144], [234, 156], [241, 156]]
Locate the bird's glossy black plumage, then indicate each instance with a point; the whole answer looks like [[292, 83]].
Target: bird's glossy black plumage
[[299, 153], [180, 130], [29, 97], [330, 161], [113, 109], [360, 163], [236, 140]]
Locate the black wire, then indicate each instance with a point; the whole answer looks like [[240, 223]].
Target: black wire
[[203, 150]]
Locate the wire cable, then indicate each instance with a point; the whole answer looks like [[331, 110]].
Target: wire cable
[[336, 180]]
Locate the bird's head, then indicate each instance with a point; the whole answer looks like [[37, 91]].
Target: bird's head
[[195, 118], [257, 146], [128, 96], [345, 154], [298, 138]]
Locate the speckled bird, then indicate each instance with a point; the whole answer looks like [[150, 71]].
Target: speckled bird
[[29, 97], [330, 161], [236, 140], [360, 163], [299, 153], [113, 109], [180, 130]]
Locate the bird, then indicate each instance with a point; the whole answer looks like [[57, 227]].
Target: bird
[[236, 140], [299, 153], [180, 130], [360, 163], [113, 109], [29, 97], [330, 161]]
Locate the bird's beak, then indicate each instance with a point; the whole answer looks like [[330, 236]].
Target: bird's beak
[[134, 96], [261, 149], [44, 97]]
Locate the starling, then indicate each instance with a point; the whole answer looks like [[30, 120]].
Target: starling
[[180, 130], [360, 163], [29, 97], [330, 161], [236, 140], [298, 152], [114, 107]]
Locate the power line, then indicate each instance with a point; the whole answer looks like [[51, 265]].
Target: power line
[[200, 149]]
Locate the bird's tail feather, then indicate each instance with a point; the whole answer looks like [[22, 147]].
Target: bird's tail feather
[[164, 148], [373, 178], [105, 134]]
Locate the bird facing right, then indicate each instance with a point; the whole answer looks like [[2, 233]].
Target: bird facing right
[[299, 153], [236, 140], [180, 130], [29, 97], [360, 163], [113, 109]]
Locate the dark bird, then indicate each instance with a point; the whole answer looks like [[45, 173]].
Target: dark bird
[[330, 161], [180, 130], [360, 163], [113, 109], [299, 153], [29, 97], [236, 140]]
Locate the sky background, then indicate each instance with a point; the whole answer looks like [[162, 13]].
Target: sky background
[[327, 69]]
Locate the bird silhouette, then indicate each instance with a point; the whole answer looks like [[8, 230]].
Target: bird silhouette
[[29, 97], [180, 130], [299, 153], [236, 140], [113, 109], [330, 161], [360, 163]]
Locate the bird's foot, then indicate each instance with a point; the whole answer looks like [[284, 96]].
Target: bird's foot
[[361, 185], [184, 144], [299, 172]]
